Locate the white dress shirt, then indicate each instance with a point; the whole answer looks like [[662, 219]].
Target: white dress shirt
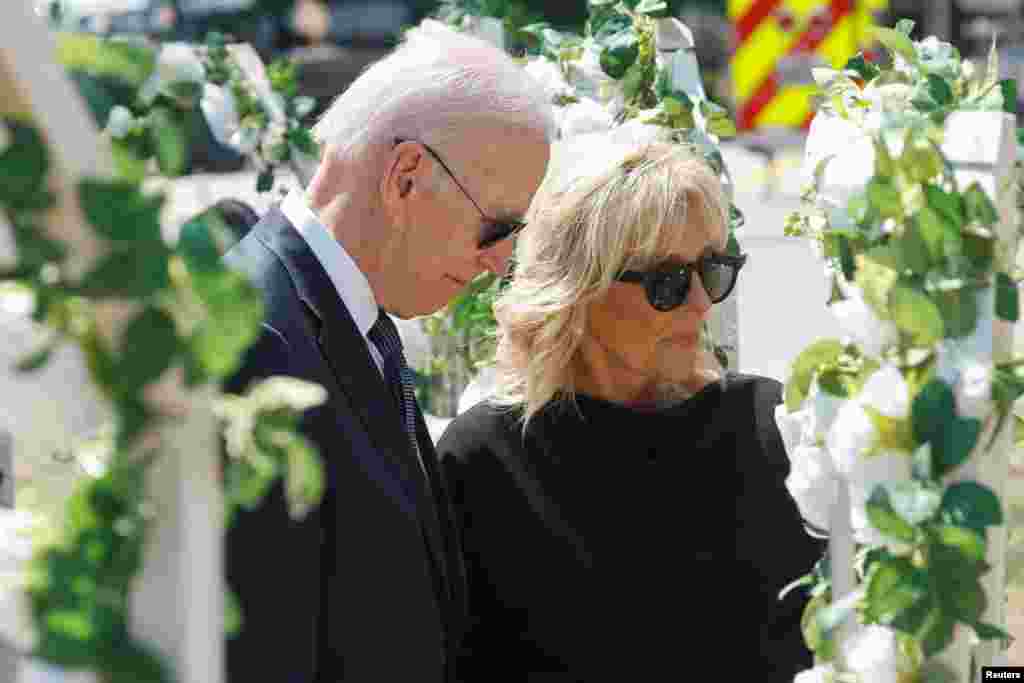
[[348, 280]]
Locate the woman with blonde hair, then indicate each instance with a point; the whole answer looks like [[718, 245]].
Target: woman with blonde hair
[[621, 497]]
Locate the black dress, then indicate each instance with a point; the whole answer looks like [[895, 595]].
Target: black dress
[[617, 544]]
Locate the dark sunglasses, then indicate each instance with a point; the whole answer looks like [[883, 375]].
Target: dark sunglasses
[[494, 230], [667, 288]]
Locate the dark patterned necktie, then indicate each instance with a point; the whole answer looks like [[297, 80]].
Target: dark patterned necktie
[[384, 336]]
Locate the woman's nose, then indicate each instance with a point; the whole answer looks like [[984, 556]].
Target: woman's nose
[[698, 298]]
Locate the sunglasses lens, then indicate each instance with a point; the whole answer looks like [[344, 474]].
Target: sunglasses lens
[[718, 279], [494, 233], [666, 291]]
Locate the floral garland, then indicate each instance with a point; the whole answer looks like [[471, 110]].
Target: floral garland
[[608, 79], [252, 110], [896, 410], [192, 316]]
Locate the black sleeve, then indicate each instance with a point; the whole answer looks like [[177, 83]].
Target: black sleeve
[[772, 541], [482, 496], [273, 564]]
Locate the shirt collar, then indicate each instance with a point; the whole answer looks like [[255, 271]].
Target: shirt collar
[[348, 280]]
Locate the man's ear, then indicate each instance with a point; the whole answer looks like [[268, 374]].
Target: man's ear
[[402, 173]]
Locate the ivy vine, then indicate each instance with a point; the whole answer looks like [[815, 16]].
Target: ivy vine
[[919, 249], [191, 315]]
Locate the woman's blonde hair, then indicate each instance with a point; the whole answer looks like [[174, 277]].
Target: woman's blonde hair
[[584, 230]]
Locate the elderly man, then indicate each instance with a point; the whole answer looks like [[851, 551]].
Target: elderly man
[[431, 159]]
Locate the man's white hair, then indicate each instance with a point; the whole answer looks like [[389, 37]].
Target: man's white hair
[[430, 88]]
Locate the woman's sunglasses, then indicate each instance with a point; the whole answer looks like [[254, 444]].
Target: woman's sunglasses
[[667, 288]]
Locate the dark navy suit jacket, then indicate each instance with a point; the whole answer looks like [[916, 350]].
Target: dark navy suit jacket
[[369, 586]]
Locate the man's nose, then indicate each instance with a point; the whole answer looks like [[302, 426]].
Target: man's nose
[[495, 258]]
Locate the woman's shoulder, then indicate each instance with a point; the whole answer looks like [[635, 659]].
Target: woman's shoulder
[[477, 430], [763, 390], [758, 397]]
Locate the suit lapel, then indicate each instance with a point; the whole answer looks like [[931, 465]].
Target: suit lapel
[[346, 351]]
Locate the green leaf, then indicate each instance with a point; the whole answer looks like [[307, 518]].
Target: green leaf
[[1007, 298], [916, 315], [120, 212], [805, 365], [933, 406], [979, 207], [37, 359], [877, 275], [905, 26], [896, 41], [968, 542], [959, 310], [936, 233], [148, 346], [913, 501], [915, 249], [1008, 88], [892, 587], [232, 614], [937, 632], [972, 505], [955, 583], [23, 164], [651, 7], [949, 206], [979, 250], [991, 632], [884, 518], [135, 273], [169, 140], [202, 240], [957, 439], [620, 51], [123, 60], [940, 91], [304, 478], [865, 69], [131, 168], [265, 181], [884, 197], [236, 311]]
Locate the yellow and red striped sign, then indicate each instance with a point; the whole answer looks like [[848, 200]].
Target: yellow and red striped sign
[[777, 43]]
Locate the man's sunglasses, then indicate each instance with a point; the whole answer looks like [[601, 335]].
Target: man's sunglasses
[[494, 230], [667, 288]]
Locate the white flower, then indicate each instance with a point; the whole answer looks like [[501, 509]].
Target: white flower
[[585, 116], [636, 131], [823, 673], [889, 97], [176, 63], [873, 653], [549, 76], [887, 392], [938, 57], [868, 472], [860, 322], [967, 69], [587, 77], [120, 122], [851, 436], [792, 426], [218, 106], [974, 390], [813, 483], [825, 409]]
